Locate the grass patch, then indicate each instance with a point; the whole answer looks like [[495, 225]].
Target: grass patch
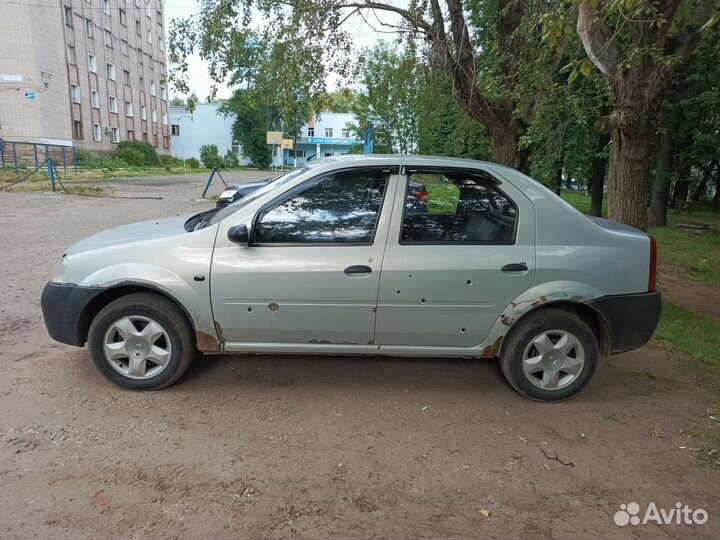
[[694, 258], [696, 336], [581, 201]]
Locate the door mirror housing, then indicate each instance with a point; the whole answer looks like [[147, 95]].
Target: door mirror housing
[[238, 234]]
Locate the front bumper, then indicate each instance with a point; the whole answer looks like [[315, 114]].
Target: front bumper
[[63, 307], [631, 318]]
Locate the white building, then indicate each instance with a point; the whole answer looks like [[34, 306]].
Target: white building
[[325, 135]]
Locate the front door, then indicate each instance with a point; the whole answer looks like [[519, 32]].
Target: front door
[[461, 248], [311, 272]]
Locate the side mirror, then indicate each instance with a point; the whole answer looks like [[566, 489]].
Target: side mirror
[[238, 234]]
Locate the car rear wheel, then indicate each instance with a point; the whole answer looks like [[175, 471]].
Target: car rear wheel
[[550, 355], [141, 341]]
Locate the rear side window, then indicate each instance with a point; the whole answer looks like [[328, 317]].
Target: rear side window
[[337, 208], [456, 207]]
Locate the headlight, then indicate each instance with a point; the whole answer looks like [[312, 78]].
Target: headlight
[[61, 269], [228, 194]]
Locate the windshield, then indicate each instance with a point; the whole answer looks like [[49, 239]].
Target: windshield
[[216, 215]]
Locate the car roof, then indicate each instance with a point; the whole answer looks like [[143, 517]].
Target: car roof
[[399, 159]]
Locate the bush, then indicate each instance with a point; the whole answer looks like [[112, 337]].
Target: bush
[[210, 156], [89, 160], [231, 161], [138, 154], [193, 163]]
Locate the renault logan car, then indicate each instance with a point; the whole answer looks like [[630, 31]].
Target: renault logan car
[[337, 258]]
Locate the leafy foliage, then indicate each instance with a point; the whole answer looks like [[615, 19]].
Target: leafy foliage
[[210, 156]]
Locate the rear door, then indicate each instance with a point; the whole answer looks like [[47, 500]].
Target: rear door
[[461, 247], [311, 272]]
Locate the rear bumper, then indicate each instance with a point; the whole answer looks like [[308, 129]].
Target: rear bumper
[[62, 307], [631, 318]]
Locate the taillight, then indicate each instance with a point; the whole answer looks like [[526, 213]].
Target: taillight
[[652, 276]]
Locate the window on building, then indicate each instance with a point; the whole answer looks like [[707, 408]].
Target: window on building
[[130, 135], [126, 77], [74, 93], [124, 47], [143, 112], [165, 118], [155, 140], [144, 136], [310, 132], [152, 88], [128, 108], [92, 63], [97, 132], [67, 11], [148, 34], [137, 3], [94, 99], [336, 208], [88, 28], [296, 153], [106, 7], [71, 54], [77, 129], [123, 17], [114, 134], [110, 71], [166, 141], [153, 114], [159, 17], [161, 44], [152, 64], [455, 206], [163, 92], [138, 28], [107, 38], [112, 101], [345, 133], [175, 129], [328, 132]]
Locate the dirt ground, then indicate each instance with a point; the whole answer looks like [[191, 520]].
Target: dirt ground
[[308, 447]]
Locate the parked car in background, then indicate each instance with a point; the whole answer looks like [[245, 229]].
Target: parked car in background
[[365, 255], [233, 194]]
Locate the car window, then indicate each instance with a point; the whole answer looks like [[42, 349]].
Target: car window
[[456, 206], [216, 215], [337, 208]]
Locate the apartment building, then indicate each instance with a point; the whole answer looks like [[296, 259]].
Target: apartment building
[[84, 73]]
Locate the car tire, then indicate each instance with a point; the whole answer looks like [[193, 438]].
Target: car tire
[[142, 341], [550, 355]]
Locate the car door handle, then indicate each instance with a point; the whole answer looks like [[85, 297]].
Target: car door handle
[[515, 267], [358, 269]]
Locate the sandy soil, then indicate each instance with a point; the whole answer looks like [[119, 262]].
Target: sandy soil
[[306, 447]]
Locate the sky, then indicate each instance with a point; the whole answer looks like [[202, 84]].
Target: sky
[[199, 81]]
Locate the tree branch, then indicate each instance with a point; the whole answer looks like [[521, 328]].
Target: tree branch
[[598, 40]]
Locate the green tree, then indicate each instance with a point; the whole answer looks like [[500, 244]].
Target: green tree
[[638, 45], [388, 99]]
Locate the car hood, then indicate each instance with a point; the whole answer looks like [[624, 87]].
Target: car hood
[[134, 232]]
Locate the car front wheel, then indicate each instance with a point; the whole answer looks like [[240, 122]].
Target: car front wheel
[[550, 355], [141, 341]]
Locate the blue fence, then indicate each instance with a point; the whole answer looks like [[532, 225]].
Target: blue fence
[[22, 155]]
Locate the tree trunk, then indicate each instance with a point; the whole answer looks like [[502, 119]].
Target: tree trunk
[[663, 180], [682, 187], [597, 178], [505, 145], [558, 180], [716, 197], [697, 195], [631, 166]]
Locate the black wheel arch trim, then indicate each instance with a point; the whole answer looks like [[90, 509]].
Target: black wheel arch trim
[[68, 309]]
